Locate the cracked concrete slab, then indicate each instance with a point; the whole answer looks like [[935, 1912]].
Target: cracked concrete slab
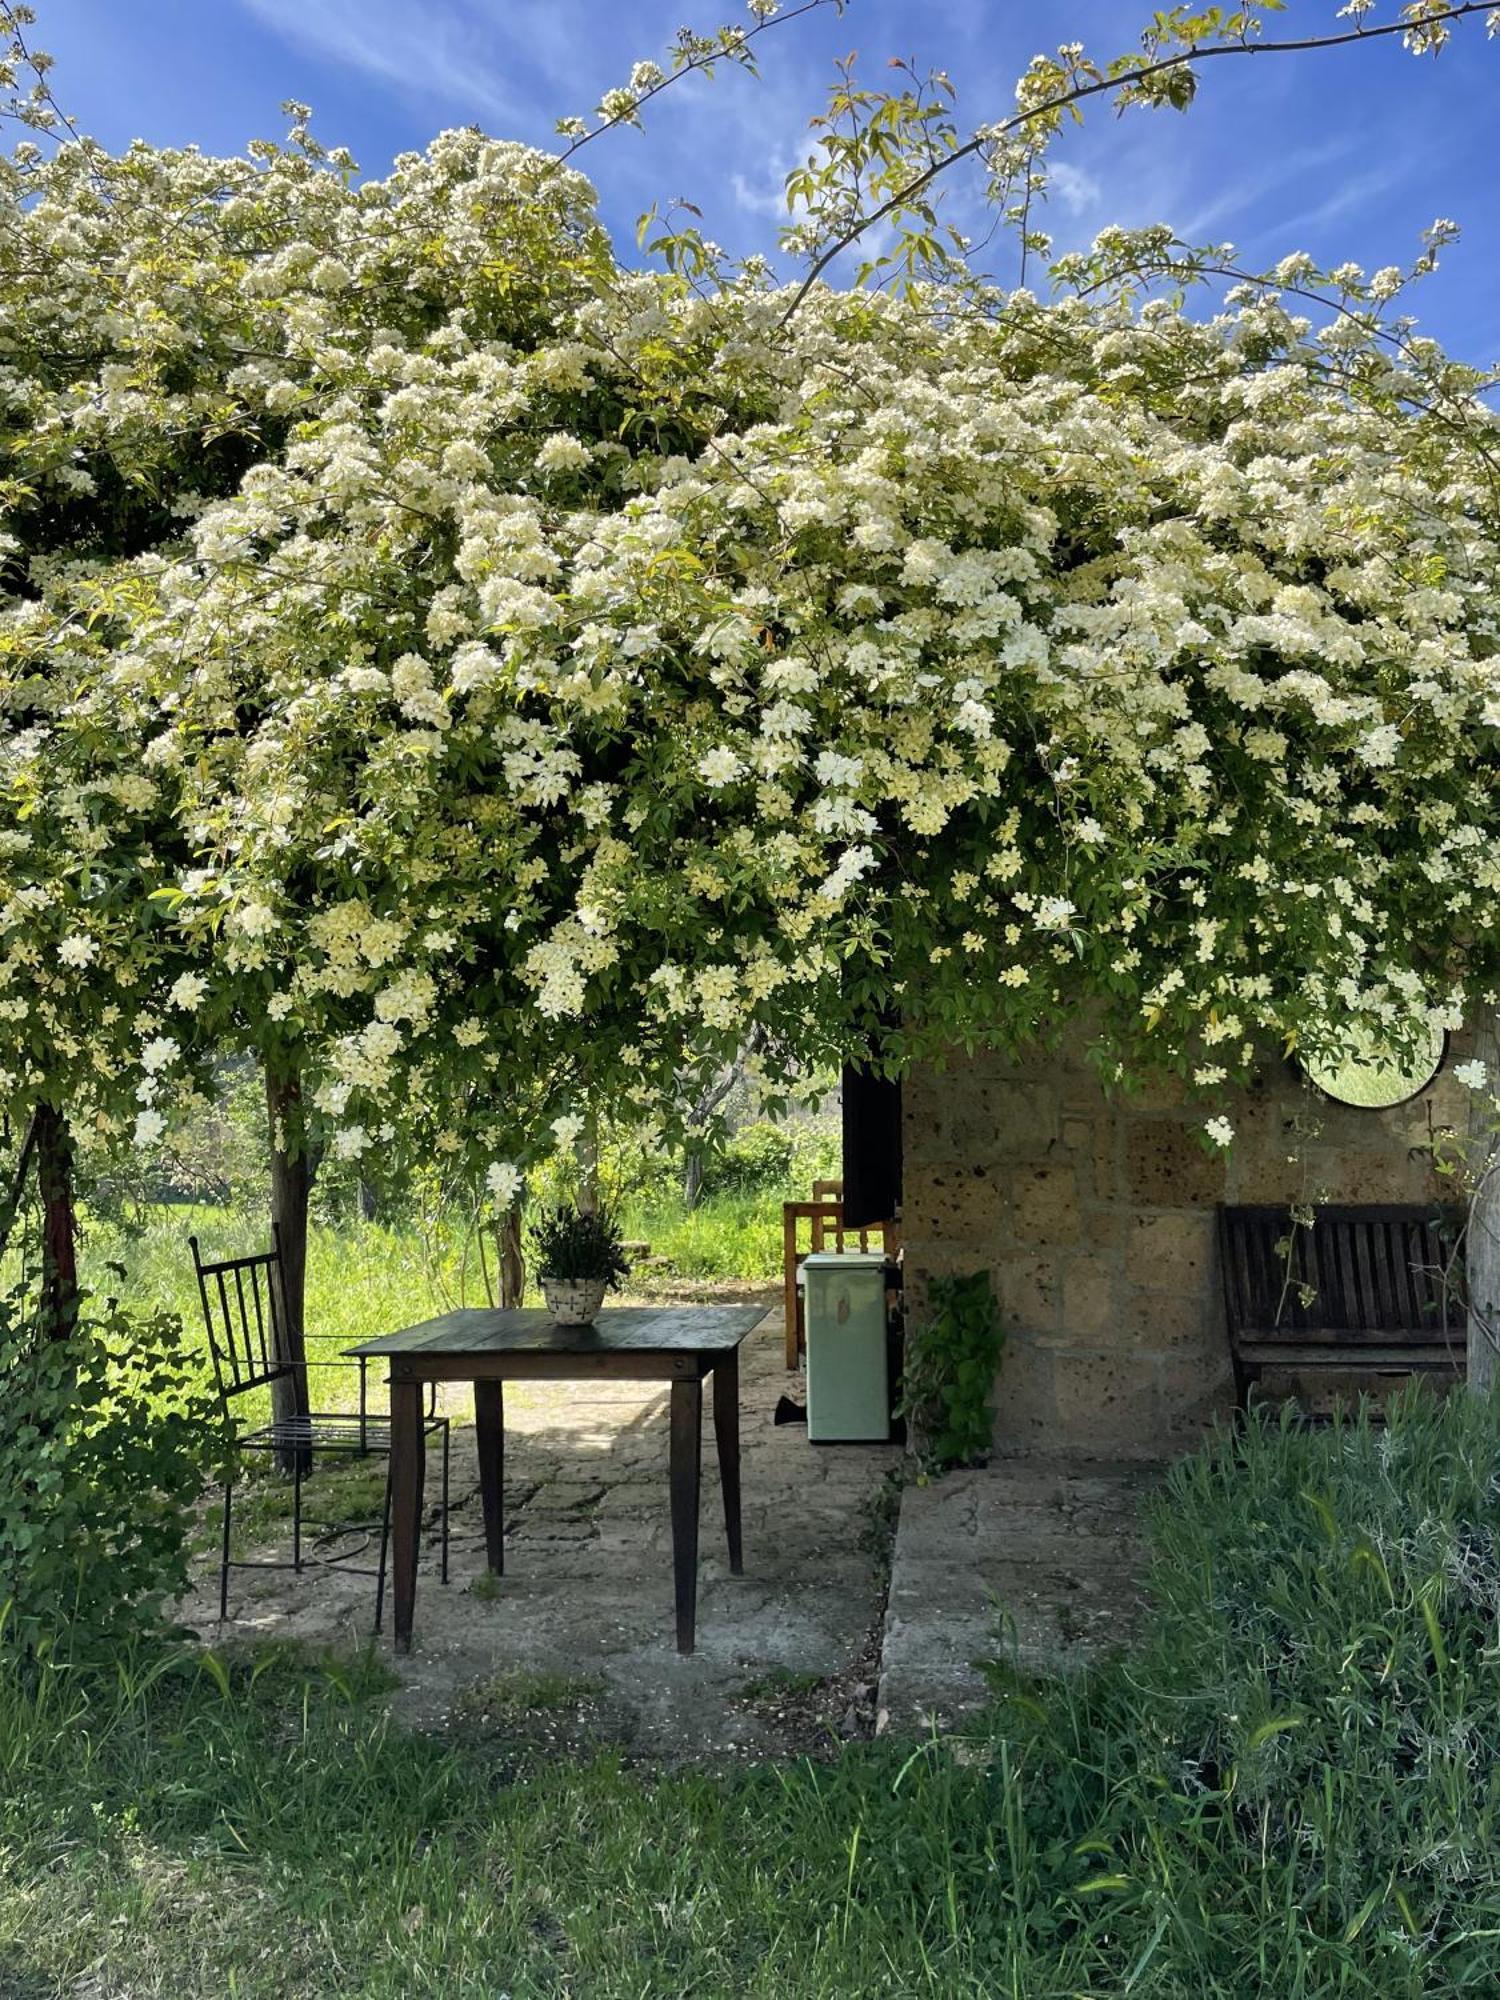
[[586, 1598], [1032, 1562]]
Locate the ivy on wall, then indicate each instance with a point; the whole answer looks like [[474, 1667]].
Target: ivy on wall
[[951, 1360]]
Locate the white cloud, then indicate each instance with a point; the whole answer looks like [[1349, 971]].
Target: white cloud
[[1077, 188], [435, 51], [1353, 194], [769, 199], [1243, 194]]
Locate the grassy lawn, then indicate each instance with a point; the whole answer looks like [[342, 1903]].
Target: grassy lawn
[[364, 1279], [1291, 1788]]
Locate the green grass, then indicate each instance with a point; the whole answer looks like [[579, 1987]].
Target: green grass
[[1290, 1789], [515, 1694], [726, 1236], [364, 1279]]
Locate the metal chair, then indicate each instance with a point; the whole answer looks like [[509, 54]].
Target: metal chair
[[245, 1314]]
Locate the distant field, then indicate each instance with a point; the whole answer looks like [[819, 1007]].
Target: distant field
[[365, 1279]]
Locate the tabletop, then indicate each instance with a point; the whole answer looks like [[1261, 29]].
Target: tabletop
[[532, 1330]]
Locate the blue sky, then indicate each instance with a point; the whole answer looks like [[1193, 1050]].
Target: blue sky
[[1345, 154]]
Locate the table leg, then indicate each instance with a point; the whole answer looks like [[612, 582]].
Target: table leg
[[727, 1438], [489, 1443], [687, 1433], [407, 1469]]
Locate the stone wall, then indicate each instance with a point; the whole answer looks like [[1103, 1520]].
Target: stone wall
[[1095, 1217]]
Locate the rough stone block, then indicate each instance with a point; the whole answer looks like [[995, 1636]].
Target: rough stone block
[[1164, 1321], [1105, 1228], [1389, 1174], [1193, 1388], [1030, 1291], [1090, 1146], [1106, 1402], [957, 1204], [970, 1113], [1045, 1207], [1167, 1165], [921, 1092], [1171, 1252], [1446, 1106], [1091, 1289], [996, 1119], [1024, 1405], [938, 1257], [1155, 1093]]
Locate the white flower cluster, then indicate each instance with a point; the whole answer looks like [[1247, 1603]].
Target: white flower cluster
[[524, 727]]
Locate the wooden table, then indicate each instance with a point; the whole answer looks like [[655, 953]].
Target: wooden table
[[680, 1345]]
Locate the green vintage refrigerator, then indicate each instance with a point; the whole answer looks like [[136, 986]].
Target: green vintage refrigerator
[[848, 1378]]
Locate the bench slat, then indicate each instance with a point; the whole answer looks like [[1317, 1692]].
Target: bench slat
[[1433, 1335], [1305, 1354], [1376, 1276]]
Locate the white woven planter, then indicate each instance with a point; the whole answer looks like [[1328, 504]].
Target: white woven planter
[[573, 1301]]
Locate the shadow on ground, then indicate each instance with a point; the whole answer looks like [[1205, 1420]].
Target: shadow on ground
[[576, 1637]]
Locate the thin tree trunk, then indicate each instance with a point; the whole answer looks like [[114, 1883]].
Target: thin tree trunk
[[291, 1183], [512, 1262], [693, 1161], [1482, 1243], [54, 1171], [10, 1201], [588, 1165]]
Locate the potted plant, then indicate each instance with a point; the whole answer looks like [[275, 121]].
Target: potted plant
[[579, 1257]]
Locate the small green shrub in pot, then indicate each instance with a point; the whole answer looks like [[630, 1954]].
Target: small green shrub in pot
[[949, 1372], [579, 1257], [106, 1440]]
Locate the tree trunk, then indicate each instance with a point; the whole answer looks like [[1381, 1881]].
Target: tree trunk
[[1482, 1244], [588, 1165], [10, 1201], [512, 1262], [291, 1183], [54, 1171], [696, 1123]]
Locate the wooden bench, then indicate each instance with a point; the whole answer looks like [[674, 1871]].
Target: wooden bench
[[1380, 1284]]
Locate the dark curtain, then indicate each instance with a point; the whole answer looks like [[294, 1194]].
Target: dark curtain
[[872, 1147]]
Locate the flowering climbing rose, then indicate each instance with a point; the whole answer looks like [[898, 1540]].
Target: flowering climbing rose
[[580, 680]]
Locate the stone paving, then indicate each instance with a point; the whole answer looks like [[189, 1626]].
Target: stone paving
[[1032, 1560], [808, 1648], [587, 1590]]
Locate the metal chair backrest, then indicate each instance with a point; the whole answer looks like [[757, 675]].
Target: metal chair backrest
[[244, 1311]]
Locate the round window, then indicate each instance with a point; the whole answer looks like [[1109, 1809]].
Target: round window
[[1372, 1076]]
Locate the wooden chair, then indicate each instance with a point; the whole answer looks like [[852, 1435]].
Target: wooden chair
[[1375, 1275], [244, 1312], [821, 1221]]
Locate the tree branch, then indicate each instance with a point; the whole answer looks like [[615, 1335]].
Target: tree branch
[[705, 60], [1142, 73]]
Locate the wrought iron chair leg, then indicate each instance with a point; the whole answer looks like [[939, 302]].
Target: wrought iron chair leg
[[297, 1515], [385, 1542], [224, 1556], [447, 1434]]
